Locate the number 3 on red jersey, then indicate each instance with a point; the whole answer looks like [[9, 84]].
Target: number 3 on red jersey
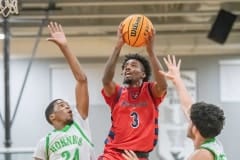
[[135, 119]]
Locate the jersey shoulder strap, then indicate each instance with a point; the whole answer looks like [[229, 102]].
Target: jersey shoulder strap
[[47, 146], [82, 133], [150, 91], [118, 94]]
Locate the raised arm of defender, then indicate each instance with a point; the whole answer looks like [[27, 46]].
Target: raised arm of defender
[[82, 98], [173, 74]]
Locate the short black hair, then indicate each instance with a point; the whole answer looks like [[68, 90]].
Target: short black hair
[[142, 60], [49, 110], [209, 119]]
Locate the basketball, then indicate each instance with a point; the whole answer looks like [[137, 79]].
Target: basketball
[[134, 27]]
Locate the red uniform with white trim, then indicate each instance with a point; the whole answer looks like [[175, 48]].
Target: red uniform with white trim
[[134, 120]]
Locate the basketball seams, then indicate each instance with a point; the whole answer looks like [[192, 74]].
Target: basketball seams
[[129, 30], [139, 33]]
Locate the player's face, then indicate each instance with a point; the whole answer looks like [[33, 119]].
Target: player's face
[[63, 112], [132, 71]]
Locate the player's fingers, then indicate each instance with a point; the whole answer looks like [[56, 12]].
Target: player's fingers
[[169, 59], [174, 60], [52, 27], [56, 25], [133, 154], [126, 157], [179, 64], [127, 153], [166, 62]]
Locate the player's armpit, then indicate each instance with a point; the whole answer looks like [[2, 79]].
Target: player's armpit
[[109, 89], [158, 91]]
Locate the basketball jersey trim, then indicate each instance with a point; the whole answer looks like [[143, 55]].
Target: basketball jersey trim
[[65, 129], [212, 151], [120, 92], [47, 146], [150, 91], [82, 133]]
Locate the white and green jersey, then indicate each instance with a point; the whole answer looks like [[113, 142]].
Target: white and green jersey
[[73, 142], [215, 147]]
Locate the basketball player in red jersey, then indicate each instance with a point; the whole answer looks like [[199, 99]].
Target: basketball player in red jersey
[[134, 106]]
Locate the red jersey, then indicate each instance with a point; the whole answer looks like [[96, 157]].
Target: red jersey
[[134, 114]]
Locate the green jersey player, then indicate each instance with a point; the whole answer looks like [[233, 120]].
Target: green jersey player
[[205, 120], [71, 138]]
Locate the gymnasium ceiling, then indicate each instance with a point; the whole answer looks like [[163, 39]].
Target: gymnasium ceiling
[[182, 26]]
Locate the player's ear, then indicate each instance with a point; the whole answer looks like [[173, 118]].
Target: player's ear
[[194, 129], [52, 117]]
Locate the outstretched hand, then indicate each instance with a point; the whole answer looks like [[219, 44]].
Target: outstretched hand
[[129, 155], [173, 68], [57, 34]]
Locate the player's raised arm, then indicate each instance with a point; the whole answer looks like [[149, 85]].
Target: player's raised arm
[[173, 74], [160, 87], [109, 71], [82, 98]]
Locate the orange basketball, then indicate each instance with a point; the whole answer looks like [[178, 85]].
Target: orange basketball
[[134, 27]]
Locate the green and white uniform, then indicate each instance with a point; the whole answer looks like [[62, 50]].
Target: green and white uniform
[[215, 147], [73, 142]]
